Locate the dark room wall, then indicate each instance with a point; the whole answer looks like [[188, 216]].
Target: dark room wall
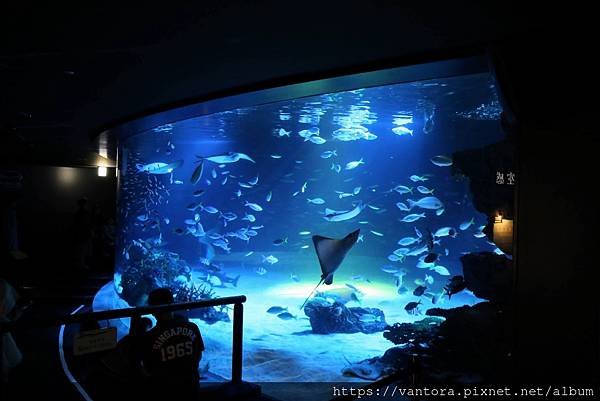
[[547, 72], [557, 309], [46, 206], [556, 301]]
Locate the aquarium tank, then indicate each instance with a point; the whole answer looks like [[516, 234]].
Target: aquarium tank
[[345, 210]]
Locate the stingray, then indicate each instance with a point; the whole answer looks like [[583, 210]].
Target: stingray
[[331, 253], [230, 157], [369, 369]]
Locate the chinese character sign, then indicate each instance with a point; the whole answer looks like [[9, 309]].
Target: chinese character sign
[[508, 178], [499, 178]]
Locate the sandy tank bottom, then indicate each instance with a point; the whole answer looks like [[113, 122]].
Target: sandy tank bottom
[[277, 350]]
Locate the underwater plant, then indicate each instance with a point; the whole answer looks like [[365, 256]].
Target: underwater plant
[[149, 268], [192, 293]]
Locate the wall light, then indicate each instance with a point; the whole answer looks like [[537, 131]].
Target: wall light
[[503, 235], [101, 171], [67, 176]]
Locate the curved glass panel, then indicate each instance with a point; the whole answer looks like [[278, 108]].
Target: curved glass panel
[[359, 188]]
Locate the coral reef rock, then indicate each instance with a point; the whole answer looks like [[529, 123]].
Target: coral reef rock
[[489, 276], [417, 333], [326, 317], [474, 339], [481, 166], [394, 360]]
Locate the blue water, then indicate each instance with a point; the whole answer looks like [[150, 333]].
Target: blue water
[[444, 116]]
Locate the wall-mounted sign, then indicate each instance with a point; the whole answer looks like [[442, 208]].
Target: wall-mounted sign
[[503, 235], [507, 178], [90, 341]]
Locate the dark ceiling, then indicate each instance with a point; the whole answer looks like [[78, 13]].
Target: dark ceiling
[[68, 73]]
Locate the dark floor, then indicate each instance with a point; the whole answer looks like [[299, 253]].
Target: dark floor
[[50, 291], [47, 294]]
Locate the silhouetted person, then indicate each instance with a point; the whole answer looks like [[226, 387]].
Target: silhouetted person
[[9, 225], [118, 373], [171, 351], [107, 242], [108, 231], [82, 233], [97, 217], [124, 361], [10, 356], [10, 188]]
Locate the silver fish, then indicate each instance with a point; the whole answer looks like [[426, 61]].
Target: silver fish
[[249, 217], [412, 217], [254, 206], [316, 201], [424, 190], [401, 189], [441, 161], [402, 207], [406, 241], [333, 215], [159, 167], [270, 259], [328, 153], [467, 224], [353, 164], [445, 231], [197, 174], [317, 140], [429, 202], [276, 310], [402, 131], [415, 178], [286, 316]]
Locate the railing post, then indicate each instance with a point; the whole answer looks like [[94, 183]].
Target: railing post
[[238, 333]]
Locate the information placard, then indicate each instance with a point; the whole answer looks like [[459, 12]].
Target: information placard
[[90, 341]]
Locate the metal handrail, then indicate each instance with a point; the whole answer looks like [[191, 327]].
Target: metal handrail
[[238, 322]]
